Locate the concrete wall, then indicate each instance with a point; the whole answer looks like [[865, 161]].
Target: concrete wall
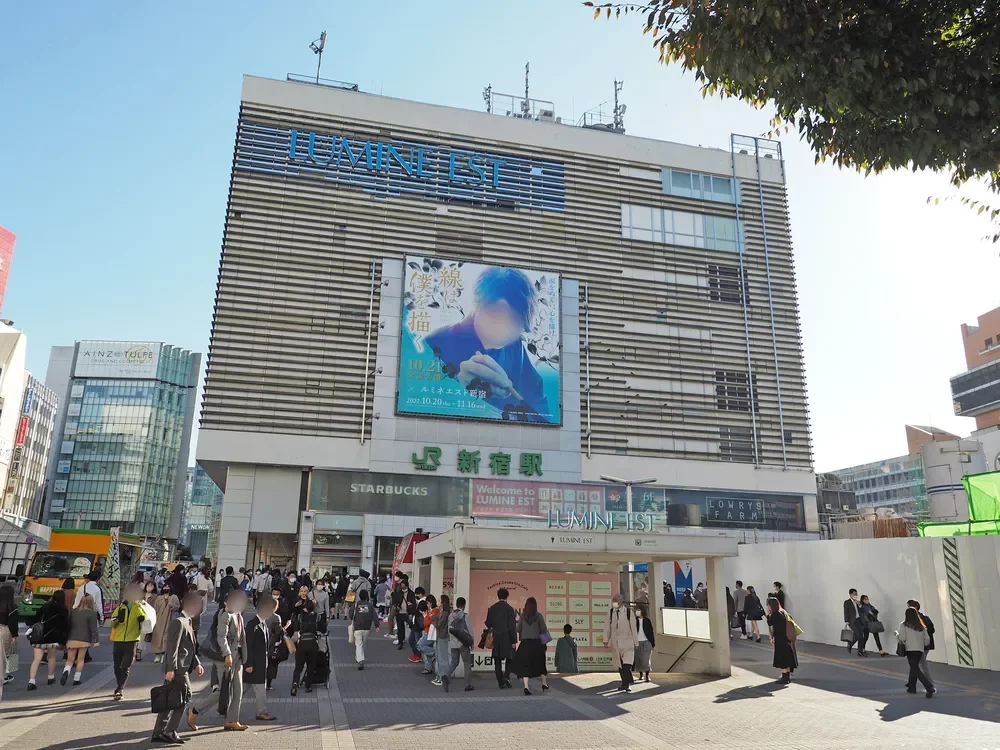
[[818, 575]]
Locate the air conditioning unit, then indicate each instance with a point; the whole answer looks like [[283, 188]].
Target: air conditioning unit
[[828, 506], [547, 115], [845, 507]]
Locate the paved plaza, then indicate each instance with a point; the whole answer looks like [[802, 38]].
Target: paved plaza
[[836, 701]]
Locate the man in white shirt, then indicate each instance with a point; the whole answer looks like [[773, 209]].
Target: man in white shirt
[[93, 588]]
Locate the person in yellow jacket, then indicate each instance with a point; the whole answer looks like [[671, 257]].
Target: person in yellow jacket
[[126, 630]]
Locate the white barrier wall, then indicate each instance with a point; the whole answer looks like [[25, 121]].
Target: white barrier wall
[[817, 576]]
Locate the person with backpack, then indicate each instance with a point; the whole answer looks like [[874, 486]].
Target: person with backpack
[[93, 588], [305, 624], [49, 634], [361, 583], [365, 621], [460, 644], [784, 648]]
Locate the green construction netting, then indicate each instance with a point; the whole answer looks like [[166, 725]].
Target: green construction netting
[[984, 495], [984, 509]]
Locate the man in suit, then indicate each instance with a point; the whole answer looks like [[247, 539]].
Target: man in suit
[[180, 659], [501, 619], [260, 642], [233, 647], [852, 619]]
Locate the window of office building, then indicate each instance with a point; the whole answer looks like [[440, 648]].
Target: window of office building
[[732, 391], [684, 228], [736, 444], [724, 284], [707, 187]]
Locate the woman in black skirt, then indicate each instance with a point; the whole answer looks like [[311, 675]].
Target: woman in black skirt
[[784, 649], [529, 660]]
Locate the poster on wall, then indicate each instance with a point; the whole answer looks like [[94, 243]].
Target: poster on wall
[[581, 600], [479, 342]]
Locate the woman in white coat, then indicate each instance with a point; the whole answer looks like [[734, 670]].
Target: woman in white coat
[[620, 637]]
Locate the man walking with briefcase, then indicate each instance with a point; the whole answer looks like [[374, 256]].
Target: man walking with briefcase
[[179, 660]]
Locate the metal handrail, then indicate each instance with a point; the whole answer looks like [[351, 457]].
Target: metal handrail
[[300, 78]]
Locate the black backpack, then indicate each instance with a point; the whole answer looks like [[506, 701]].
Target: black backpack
[[363, 616]]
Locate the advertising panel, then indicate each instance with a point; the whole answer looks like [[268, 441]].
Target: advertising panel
[[29, 400], [534, 499], [63, 467], [479, 342], [117, 359], [22, 431], [578, 599]]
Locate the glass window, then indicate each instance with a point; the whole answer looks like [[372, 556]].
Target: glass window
[[680, 183]]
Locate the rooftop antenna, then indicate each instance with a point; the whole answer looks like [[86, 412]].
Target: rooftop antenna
[[526, 105], [619, 112], [488, 98], [317, 47]]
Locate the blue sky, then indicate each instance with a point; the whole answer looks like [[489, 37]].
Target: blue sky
[[117, 124]]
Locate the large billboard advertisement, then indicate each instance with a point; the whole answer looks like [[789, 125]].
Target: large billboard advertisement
[[479, 342], [117, 359]]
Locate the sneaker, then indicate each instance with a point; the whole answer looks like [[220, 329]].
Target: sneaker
[[415, 659], [395, 641], [930, 693], [469, 687], [437, 681], [426, 671], [8, 679], [117, 696], [215, 688], [157, 659]]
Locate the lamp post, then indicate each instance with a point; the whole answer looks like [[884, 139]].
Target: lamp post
[[628, 512]]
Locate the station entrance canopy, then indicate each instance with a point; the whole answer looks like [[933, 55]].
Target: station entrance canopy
[[573, 574]]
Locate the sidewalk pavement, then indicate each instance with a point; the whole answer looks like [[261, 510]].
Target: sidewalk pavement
[[835, 702]]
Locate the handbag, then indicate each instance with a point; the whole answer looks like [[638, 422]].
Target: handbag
[[166, 697], [350, 633], [847, 635], [545, 637], [461, 633], [876, 626], [486, 642], [900, 648]]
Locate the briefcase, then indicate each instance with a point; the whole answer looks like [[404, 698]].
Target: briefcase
[[166, 697]]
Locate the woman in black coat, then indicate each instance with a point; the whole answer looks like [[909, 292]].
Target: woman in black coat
[[754, 613], [53, 622], [784, 649]]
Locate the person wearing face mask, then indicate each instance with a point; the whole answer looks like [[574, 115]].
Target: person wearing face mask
[[852, 619], [232, 641], [289, 591], [486, 349], [620, 637], [322, 598]]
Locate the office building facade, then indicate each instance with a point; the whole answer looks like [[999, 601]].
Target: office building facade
[[202, 508], [24, 495], [120, 450], [637, 295], [13, 348]]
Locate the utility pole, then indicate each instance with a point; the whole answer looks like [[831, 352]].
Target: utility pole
[[317, 47]]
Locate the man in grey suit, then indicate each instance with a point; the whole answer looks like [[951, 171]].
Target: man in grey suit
[[180, 659], [233, 646]]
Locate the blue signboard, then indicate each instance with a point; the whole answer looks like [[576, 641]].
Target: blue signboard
[[29, 398], [404, 168]]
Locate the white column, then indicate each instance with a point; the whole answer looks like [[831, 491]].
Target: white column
[[437, 576], [305, 546], [234, 534], [463, 567], [719, 659]]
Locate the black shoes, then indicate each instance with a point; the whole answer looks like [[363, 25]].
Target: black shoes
[[295, 690], [469, 688], [544, 688], [32, 686], [527, 692], [65, 676], [361, 666], [166, 739]]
